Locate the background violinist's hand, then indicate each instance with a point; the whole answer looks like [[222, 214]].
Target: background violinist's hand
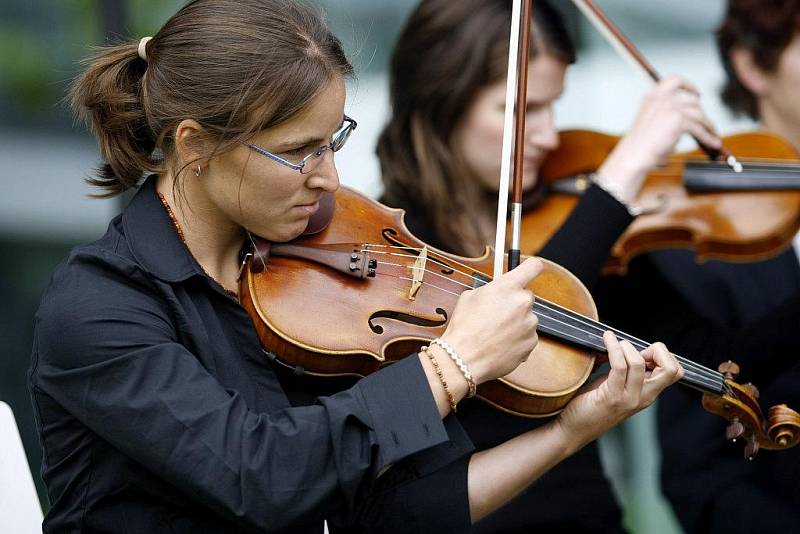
[[632, 384], [669, 110], [493, 328]]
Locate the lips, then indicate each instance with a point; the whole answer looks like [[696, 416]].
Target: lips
[[310, 208]]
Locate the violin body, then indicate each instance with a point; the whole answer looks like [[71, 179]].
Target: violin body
[[732, 225], [331, 323]]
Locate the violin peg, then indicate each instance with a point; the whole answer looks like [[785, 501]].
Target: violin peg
[[729, 369], [751, 449], [752, 390], [734, 431]]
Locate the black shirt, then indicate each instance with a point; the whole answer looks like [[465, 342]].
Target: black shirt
[[158, 411]]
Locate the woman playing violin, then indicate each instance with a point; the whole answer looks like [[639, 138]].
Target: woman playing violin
[[440, 158], [157, 409], [709, 486]]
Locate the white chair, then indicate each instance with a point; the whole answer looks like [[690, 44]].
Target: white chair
[[20, 509]]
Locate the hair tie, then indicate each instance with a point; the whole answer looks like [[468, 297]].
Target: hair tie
[[142, 50]]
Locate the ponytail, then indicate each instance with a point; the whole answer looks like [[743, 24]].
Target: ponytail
[[108, 98]]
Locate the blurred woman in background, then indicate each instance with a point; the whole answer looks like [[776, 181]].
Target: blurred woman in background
[[440, 161]]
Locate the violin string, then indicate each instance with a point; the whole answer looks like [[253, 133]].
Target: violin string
[[692, 369], [598, 326], [704, 382], [778, 162], [580, 318], [423, 283], [432, 255], [413, 267]]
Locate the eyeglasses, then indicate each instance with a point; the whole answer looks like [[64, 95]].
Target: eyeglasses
[[311, 161]]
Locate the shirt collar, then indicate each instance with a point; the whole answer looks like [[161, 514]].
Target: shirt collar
[[153, 239]]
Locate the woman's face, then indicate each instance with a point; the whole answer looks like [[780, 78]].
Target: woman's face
[[479, 136], [266, 197]]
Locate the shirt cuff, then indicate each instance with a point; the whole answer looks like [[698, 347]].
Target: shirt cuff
[[404, 415], [608, 204]]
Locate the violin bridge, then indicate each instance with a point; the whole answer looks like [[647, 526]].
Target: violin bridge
[[417, 273]]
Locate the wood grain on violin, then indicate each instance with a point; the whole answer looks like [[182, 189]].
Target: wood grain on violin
[[744, 216]]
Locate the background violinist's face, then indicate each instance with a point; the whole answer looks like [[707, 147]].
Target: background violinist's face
[[479, 136], [778, 95], [270, 199]]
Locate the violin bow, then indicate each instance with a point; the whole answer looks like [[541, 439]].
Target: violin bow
[[625, 48], [513, 132]]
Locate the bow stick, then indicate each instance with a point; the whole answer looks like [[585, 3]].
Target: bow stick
[[628, 51], [513, 131]]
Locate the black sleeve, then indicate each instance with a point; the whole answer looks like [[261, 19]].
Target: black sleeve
[[583, 242], [712, 488], [644, 304], [105, 350]]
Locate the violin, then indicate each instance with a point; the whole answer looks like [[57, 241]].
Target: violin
[[719, 207], [373, 293], [690, 202]]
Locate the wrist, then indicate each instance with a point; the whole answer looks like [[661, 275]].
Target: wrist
[[465, 349], [455, 380], [459, 362], [572, 439], [568, 441], [622, 175]]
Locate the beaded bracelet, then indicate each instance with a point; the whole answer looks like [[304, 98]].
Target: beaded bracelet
[[440, 374], [459, 362]]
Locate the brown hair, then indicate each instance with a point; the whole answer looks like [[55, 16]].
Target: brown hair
[[234, 66], [447, 52], [765, 28]]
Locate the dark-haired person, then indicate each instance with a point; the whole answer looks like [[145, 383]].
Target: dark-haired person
[[440, 161], [157, 409], [711, 488]]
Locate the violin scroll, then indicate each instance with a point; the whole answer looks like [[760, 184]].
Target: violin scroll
[[780, 430]]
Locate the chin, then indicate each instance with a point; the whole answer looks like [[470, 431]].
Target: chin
[[284, 233]]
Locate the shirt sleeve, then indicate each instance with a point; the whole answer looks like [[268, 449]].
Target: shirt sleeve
[[584, 241], [106, 351]]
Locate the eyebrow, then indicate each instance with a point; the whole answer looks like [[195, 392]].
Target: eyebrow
[[300, 143], [303, 141]]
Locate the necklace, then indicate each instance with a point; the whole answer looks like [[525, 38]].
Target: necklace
[[179, 231]]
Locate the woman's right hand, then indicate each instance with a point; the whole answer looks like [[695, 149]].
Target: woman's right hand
[[493, 328]]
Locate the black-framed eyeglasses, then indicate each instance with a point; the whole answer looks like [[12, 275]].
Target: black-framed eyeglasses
[[310, 162]]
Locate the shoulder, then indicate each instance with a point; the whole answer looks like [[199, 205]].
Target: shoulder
[[97, 298]]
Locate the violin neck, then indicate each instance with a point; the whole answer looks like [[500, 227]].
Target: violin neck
[[567, 326], [710, 177]]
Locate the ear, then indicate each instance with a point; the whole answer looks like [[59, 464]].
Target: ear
[[191, 142], [753, 77]]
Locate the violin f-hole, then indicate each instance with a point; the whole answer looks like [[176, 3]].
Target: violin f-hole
[[406, 318]]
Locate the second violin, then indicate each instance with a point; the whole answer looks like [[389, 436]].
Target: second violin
[[690, 202]]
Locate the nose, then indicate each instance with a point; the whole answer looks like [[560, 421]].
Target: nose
[[325, 176], [542, 133]]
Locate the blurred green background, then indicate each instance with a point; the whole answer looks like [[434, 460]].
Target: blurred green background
[[44, 208]]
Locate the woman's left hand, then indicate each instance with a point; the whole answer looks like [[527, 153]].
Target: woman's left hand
[[632, 384]]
